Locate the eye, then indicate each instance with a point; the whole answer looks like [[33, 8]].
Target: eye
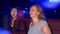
[[32, 10]]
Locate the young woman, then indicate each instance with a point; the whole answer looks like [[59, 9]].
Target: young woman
[[38, 25], [17, 25]]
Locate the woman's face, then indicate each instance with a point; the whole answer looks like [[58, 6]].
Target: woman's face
[[34, 12], [14, 12]]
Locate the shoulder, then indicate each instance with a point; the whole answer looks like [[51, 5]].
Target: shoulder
[[43, 23]]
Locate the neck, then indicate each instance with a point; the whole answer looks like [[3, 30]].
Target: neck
[[35, 20], [14, 18]]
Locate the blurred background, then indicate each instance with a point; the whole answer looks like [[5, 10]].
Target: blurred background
[[51, 10]]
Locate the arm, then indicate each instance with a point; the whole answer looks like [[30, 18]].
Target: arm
[[46, 30]]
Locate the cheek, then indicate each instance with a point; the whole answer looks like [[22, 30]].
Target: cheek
[[33, 13], [11, 13], [16, 13], [36, 14]]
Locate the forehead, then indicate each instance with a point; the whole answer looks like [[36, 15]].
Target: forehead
[[13, 9], [33, 7]]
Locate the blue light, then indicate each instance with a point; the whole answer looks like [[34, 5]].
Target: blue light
[[54, 0], [24, 11], [50, 5], [4, 32]]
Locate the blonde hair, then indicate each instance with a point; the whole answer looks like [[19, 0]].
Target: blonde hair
[[40, 11]]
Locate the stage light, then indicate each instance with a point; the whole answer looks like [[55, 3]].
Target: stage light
[[50, 5], [54, 0], [23, 11]]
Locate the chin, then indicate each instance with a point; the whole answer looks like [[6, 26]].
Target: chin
[[32, 16], [13, 16]]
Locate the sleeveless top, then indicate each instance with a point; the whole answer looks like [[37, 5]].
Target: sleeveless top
[[37, 29]]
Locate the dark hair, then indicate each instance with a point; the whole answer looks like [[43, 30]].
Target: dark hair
[[13, 8]]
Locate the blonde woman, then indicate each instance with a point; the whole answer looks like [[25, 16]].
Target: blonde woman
[[38, 25]]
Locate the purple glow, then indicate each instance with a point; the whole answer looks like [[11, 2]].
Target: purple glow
[[20, 14]]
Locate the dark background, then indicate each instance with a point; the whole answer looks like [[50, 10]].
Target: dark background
[[51, 13]]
